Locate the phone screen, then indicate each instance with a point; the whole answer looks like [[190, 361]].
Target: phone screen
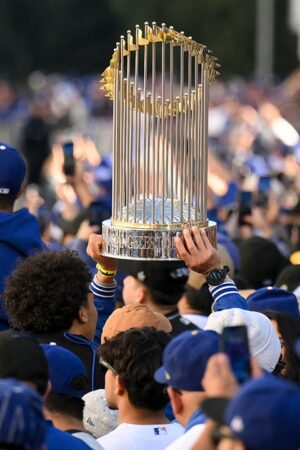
[[69, 163], [245, 206], [264, 185], [234, 342]]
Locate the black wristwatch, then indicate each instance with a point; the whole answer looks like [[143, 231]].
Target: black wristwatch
[[217, 276]]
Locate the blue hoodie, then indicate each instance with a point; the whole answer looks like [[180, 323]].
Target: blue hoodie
[[59, 440], [19, 237]]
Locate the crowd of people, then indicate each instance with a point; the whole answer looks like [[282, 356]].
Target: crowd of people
[[98, 353]]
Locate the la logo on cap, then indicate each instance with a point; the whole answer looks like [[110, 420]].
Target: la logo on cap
[[141, 275], [237, 424]]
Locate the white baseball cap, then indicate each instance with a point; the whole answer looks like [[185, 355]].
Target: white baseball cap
[[264, 343]]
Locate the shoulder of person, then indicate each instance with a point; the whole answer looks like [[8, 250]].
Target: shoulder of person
[[187, 439]]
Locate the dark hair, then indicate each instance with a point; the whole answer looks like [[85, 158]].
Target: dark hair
[[46, 291], [199, 299], [289, 328], [161, 298], [7, 201], [65, 405], [135, 355]]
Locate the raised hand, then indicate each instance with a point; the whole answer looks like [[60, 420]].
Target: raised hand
[[196, 250]]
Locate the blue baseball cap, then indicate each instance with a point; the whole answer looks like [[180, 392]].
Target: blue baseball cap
[[274, 299], [185, 359], [12, 170], [22, 422], [264, 415], [67, 373]]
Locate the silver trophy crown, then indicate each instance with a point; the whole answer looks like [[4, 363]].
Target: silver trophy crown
[[159, 81]]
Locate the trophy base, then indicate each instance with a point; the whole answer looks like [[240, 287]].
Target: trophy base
[[145, 243]]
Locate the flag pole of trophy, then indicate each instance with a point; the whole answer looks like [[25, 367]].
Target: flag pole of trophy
[[158, 79]]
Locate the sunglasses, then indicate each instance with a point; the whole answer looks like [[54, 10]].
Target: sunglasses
[[107, 365]]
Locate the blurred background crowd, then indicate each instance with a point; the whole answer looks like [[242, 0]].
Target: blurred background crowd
[[254, 155]]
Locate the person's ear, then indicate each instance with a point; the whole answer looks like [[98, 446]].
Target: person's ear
[[21, 191], [182, 304], [119, 386], [48, 390], [141, 294], [83, 315], [176, 401]]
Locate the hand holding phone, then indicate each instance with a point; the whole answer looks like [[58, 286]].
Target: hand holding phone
[[245, 208], [69, 162], [263, 191], [234, 342]]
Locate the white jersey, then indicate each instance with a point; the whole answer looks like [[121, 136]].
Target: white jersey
[[141, 437], [197, 319], [188, 439]]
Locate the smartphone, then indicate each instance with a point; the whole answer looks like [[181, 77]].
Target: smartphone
[[245, 208], [69, 162], [264, 186], [234, 342]]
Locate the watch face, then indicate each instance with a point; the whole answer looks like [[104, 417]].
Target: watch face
[[215, 276]]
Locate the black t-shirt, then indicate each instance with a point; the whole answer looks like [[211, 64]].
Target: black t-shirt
[[179, 323]]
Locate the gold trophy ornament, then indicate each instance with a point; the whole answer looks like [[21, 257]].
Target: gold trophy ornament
[[158, 80]]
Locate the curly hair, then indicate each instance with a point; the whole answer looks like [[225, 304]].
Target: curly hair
[[45, 292], [135, 355]]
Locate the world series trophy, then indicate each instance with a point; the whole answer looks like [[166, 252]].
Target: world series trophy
[[159, 81]]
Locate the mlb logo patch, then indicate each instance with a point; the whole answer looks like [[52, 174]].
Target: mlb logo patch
[[160, 430]]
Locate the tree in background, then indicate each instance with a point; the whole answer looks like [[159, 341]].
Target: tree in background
[[78, 36]]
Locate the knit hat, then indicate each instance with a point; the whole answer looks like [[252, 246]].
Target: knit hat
[[12, 170], [261, 261], [98, 418], [264, 344], [134, 316], [21, 357], [66, 371], [274, 299], [22, 423]]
